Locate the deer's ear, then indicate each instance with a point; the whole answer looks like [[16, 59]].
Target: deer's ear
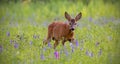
[[78, 16], [67, 16]]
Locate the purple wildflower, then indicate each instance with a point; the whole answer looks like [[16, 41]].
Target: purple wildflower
[[44, 49], [91, 54], [49, 45], [72, 50], [77, 44], [1, 48], [81, 48], [97, 43], [42, 57], [11, 41], [34, 36], [30, 42], [8, 34], [65, 51], [87, 53], [45, 23], [56, 54], [72, 47], [90, 18], [16, 45]]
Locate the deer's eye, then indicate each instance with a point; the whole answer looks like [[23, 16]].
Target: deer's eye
[[70, 23]]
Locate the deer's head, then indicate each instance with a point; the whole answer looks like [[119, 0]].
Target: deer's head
[[72, 21]]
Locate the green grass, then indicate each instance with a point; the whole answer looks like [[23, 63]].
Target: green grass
[[27, 22]]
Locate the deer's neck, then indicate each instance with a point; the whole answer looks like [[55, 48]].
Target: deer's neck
[[67, 30]]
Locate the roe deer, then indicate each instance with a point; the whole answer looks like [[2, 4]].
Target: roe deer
[[62, 31]]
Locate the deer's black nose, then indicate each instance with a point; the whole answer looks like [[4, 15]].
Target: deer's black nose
[[72, 29]]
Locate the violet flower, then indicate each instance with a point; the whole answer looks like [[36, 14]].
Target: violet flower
[[72, 47], [65, 51], [44, 48], [11, 41], [45, 23], [77, 44], [42, 57], [90, 19], [30, 42], [56, 54], [34, 36], [16, 45], [8, 34], [87, 53], [72, 50], [49, 45], [81, 48], [91, 54]]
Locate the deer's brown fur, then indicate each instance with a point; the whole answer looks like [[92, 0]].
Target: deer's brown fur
[[62, 31]]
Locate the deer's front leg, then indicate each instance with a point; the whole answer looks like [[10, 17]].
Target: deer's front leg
[[63, 42], [71, 40], [56, 43]]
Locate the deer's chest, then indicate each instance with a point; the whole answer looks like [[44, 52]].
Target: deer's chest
[[69, 35]]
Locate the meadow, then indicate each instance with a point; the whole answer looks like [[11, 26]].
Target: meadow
[[23, 27]]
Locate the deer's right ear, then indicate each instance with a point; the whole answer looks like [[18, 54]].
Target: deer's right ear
[[78, 16], [67, 16]]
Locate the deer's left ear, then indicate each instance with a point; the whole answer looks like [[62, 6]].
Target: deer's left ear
[[67, 16], [78, 16]]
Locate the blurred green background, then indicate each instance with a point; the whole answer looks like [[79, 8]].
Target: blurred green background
[[23, 27]]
